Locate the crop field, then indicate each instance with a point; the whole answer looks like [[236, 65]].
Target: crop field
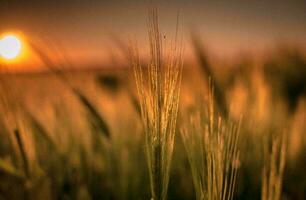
[[157, 129]]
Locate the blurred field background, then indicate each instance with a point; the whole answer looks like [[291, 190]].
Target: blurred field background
[[69, 156], [76, 133]]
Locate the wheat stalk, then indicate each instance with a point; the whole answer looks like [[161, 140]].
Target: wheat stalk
[[212, 151], [158, 88], [273, 170]]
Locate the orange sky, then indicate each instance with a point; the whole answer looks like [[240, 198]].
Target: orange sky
[[84, 29]]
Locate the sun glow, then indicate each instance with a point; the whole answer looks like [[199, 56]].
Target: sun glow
[[10, 47]]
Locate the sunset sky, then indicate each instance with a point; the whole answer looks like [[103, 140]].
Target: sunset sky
[[85, 28]]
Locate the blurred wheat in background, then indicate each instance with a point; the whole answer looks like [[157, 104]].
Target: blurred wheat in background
[[153, 128]]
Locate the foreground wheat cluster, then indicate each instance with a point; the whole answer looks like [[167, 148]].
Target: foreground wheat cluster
[[211, 147], [211, 143]]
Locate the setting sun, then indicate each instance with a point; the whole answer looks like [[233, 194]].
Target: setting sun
[[10, 47]]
